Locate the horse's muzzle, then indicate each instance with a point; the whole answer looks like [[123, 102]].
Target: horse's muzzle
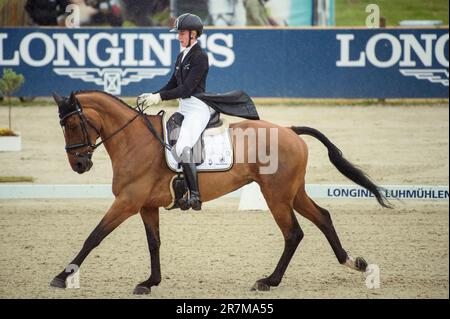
[[83, 163]]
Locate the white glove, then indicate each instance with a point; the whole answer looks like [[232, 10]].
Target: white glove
[[148, 99]]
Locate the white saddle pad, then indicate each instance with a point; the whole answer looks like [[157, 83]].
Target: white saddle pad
[[218, 150]]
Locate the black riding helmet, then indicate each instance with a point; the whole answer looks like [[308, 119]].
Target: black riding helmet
[[188, 22]]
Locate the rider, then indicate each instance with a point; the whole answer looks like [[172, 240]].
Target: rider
[[188, 79]]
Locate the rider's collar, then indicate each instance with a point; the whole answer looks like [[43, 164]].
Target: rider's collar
[[186, 51]]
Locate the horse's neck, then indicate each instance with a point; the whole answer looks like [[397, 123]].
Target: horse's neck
[[110, 110]]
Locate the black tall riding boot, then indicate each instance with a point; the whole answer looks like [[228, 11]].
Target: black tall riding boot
[[191, 177]]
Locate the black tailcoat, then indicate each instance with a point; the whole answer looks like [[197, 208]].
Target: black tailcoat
[[189, 79]]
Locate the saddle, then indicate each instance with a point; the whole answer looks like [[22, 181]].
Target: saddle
[[213, 151]]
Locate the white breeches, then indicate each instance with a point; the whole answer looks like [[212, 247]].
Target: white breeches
[[196, 116]]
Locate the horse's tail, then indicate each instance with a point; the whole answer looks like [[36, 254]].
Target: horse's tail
[[344, 166]]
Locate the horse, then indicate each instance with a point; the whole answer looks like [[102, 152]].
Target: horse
[[141, 178]]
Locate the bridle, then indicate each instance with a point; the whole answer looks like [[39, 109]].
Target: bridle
[[84, 124], [86, 140]]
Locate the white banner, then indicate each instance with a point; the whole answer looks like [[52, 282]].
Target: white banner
[[249, 194], [252, 198]]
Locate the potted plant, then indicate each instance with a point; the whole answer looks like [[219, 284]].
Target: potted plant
[[9, 84]]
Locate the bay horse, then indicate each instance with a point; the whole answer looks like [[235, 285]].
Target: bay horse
[[141, 178]]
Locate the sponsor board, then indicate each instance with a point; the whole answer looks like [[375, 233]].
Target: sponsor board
[[332, 63]]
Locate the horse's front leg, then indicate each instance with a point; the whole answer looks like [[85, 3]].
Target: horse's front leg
[[120, 210], [150, 217]]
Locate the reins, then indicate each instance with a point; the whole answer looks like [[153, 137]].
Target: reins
[[150, 126], [117, 131]]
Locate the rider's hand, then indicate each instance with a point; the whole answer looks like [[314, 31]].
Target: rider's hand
[[148, 99]]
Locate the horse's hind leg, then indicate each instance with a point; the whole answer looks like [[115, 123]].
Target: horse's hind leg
[[322, 219], [283, 214], [119, 212], [150, 217]]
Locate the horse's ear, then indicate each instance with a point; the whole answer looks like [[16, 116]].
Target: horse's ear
[[69, 103], [58, 99]]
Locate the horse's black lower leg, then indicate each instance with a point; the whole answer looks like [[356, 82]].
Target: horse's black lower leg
[[330, 233], [322, 219], [115, 216], [342, 256], [292, 237], [150, 217], [91, 242]]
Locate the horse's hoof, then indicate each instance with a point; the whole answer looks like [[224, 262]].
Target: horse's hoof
[[58, 283], [260, 286], [360, 264], [141, 290]]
